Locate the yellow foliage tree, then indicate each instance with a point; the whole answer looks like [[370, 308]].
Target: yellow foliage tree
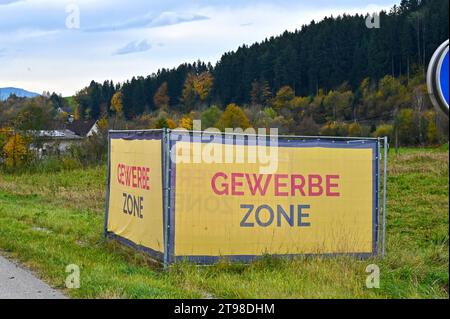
[[163, 122], [186, 122], [103, 123], [117, 104], [197, 87], [203, 85], [233, 117], [15, 151], [283, 98], [171, 124], [355, 129]]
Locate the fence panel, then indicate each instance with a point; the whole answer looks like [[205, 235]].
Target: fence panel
[[322, 198], [304, 196], [134, 213]]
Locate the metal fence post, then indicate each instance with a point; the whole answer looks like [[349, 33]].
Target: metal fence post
[[108, 188], [386, 146], [166, 189], [378, 159]]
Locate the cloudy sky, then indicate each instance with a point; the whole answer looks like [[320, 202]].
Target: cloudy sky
[[58, 45]]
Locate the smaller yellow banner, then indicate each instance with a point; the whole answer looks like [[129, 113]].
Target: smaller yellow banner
[[135, 199]]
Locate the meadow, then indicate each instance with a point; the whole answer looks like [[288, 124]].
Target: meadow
[[49, 220]]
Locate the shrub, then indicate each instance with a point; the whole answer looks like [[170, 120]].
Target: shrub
[[384, 130]]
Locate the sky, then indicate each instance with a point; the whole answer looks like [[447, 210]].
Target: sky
[[60, 46]]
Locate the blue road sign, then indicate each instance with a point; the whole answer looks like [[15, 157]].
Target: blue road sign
[[443, 78], [438, 78]]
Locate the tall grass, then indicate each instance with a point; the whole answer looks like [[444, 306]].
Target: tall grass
[[51, 219]]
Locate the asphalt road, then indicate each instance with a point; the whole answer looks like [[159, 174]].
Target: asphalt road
[[19, 283]]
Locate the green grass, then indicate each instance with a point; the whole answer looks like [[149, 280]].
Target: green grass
[[48, 221]]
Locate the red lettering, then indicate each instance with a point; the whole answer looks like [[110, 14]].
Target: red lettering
[[235, 183], [147, 178], [317, 184], [133, 176], [278, 184], [330, 185], [295, 186], [242, 184], [224, 190], [119, 174], [256, 187]]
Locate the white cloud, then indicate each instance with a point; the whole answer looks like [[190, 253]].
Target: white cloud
[[149, 21], [134, 47], [4, 2]]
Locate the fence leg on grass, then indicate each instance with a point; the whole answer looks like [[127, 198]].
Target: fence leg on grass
[[378, 176], [386, 146], [166, 187]]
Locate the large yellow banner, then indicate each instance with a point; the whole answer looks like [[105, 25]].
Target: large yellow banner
[[135, 199], [319, 201]]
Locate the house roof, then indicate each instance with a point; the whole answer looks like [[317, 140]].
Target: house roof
[[81, 127], [57, 134]]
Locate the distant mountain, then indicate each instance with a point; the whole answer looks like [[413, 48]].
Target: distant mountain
[[6, 92]]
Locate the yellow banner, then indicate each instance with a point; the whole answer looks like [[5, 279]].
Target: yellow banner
[[135, 200], [319, 201]]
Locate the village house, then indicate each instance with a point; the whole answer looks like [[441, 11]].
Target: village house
[[60, 140]]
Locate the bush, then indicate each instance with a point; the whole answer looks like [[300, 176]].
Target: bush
[[355, 130], [70, 163], [233, 117], [384, 130], [334, 129]]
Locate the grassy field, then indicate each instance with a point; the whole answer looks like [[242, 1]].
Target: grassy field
[[48, 221]]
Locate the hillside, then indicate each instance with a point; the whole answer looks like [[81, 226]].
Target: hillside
[[8, 91]]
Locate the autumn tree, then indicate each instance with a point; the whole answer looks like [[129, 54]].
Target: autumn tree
[[233, 117], [196, 89], [186, 123], [189, 94], [338, 105], [355, 129], [384, 130], [164, 122], [15, 150], [203, 85], [283, 98], [117, 107], [117, 104], [161, 97]]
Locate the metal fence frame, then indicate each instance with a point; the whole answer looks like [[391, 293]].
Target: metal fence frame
[[168, 180]]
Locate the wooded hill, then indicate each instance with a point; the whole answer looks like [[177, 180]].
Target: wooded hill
[[321, 55]]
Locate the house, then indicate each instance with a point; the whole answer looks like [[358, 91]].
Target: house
[[83, 128], [60, 140]]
